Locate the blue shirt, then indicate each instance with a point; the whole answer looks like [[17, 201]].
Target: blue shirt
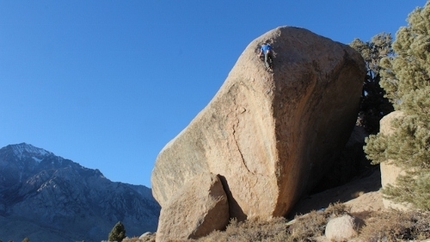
[[265, 48]]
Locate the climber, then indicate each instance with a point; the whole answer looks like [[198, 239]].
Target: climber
[[266, 50]]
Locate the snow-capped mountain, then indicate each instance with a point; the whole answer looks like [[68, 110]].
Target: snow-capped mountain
[[48, 198]]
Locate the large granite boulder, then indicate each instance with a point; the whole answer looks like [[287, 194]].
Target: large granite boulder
[[270, 135], [196, 210]]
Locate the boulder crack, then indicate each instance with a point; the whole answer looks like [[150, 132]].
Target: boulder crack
[[238, 147]]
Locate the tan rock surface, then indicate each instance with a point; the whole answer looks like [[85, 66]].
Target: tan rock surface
[[389, 171], [270, 136], [199, 208]]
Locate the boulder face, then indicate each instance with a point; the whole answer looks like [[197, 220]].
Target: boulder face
[[270, 135], [196, 210]]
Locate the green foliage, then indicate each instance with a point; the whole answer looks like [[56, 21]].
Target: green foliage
[[373, 104], [409, 69], [117, 233], [417, 190], [406, 80]]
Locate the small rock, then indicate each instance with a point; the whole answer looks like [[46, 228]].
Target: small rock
[[343, 228]]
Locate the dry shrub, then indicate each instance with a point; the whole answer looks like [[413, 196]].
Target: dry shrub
[[379, 226], [394, 225], [307, 226], [304, 228], [312, 225], [251, 230]]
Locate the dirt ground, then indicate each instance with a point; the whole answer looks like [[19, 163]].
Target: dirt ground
[[362, 194]]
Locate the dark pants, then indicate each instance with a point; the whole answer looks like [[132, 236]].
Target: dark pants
[[268, 59]]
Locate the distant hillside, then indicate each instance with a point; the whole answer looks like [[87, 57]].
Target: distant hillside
[[48, 198]]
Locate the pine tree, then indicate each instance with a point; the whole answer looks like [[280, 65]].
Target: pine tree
[[117, 233], [373, 104], [406, 80]]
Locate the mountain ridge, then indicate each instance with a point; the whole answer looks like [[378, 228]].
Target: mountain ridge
[[69, 201]]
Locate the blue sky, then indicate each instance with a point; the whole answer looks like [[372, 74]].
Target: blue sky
[[108, 83]]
